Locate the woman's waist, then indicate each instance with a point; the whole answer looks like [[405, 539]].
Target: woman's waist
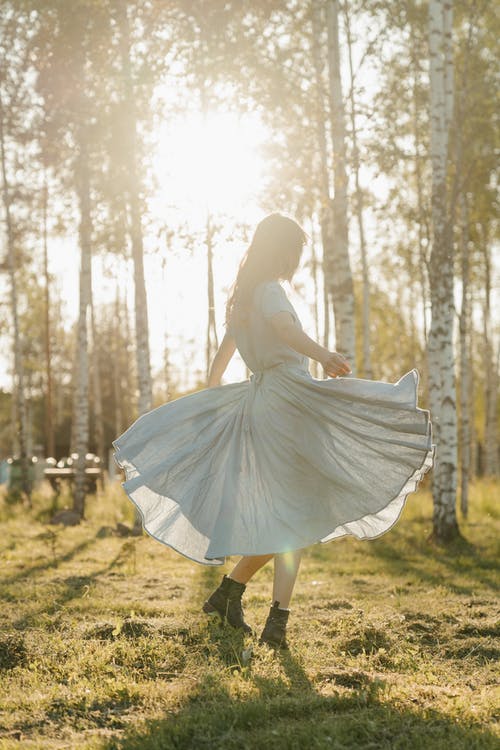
[[299, 365]]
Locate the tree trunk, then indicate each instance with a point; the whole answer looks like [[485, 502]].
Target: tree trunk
[[367, 371], [342, 285], [116, 339], [141, 310], [314, 273], [127, 374], [97, 395], [490, 375], [465, 364], [81, 417], [440, 343], [325, 204], [18, 391], [49, 424], [421, 211], [141, 305], [212, 341], [74, 398], [167, 369], [14, 429]]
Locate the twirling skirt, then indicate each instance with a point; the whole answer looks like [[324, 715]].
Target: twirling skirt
[[276, 463]]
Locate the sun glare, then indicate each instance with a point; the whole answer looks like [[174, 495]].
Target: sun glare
[[212, 162], [203, 165]]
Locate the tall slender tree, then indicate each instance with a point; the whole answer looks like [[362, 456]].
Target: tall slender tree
[[81, 416], [341, 280], [129, 114], [440, 342], [14, 196], [324, 200], [465, 360], [358, 195], [20, 412], [49, 412]]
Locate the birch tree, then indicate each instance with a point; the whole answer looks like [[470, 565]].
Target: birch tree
[[19, 395], [441, 276], [325, 207], [341, 281], [81, 416], [490, 368], [14, 32], [465, 361], [366, 360], [133, 195], [97, 391], [212, 343], [49, 421]]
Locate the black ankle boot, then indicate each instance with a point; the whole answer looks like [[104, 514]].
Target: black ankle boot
[[226, 602], [274, 633]]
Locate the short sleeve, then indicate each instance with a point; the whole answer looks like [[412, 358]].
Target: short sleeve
[[274, 300]]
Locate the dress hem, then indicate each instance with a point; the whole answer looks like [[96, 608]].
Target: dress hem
[[414, 479]]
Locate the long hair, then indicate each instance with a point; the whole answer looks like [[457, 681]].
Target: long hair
[[274, 253]]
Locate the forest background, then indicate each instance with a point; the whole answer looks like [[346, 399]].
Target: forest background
[[140, 143]]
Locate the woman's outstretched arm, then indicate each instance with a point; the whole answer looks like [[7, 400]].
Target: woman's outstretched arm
[[221, 360], [333, 363]]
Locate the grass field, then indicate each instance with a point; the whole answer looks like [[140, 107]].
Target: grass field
[[394, 642]]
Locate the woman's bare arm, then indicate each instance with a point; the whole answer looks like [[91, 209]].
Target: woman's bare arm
[[221, 360], [333, 363]]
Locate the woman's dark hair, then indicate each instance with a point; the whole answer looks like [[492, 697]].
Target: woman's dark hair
[[274, 253]]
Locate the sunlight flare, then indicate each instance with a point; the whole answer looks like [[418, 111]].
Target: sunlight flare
[[213, 160]]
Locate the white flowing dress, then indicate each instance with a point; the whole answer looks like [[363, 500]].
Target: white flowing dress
[[279, 461]]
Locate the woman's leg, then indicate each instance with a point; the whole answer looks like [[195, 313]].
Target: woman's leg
[[247, 566], [286, 567]]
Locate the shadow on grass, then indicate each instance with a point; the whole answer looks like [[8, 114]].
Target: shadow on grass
[[289, 713], [49, 562], [74, 586], [461, 559]]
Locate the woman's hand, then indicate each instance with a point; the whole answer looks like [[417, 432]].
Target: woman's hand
[[335, 365]]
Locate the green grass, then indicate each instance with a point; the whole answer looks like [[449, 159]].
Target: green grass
[[103, 645]]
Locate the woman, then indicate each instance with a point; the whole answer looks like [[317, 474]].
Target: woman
[[269, 466]]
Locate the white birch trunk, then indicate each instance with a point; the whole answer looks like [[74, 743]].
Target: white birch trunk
[[49, 421], [81, 415], [14, 428], [465, 365], [141, 306], [314, 273], [367, 371], [325, 203], [440, 343], [18, 390], [490, 377], [74, 397], [117, 379], [421, 212], [212, 343], [342, 289], [136, 235], [97, 395]]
